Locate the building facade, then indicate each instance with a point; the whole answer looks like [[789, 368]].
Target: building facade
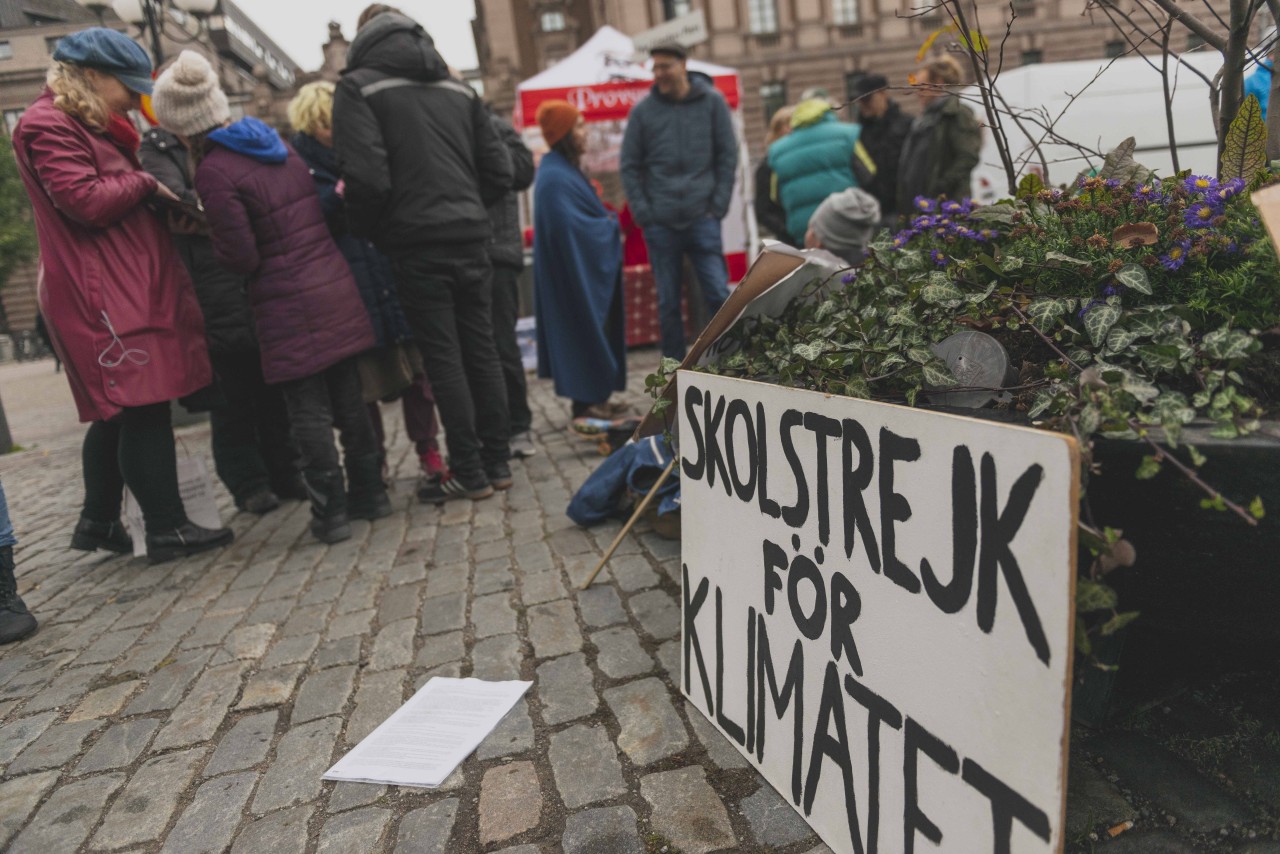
[[783, 48]]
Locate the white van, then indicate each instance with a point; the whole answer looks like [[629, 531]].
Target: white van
[[1126, 100]]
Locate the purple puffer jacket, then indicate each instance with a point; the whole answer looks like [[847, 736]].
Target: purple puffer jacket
[[266, 222]]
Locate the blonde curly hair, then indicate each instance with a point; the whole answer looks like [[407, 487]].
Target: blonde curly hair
[[312, 108], [75, 95]]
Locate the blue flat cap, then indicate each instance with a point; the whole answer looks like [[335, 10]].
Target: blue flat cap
[[109, 51]]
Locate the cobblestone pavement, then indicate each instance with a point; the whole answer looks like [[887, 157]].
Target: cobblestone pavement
[[192, 706]]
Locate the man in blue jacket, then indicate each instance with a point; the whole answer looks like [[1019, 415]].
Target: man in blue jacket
[[679, 156]]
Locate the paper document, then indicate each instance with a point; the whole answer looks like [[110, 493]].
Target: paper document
[[430, 735]]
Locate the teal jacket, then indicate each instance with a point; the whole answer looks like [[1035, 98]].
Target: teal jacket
[[811, 163]]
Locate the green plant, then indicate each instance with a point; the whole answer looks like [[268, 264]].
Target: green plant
[[17, 233], [1131, 310]]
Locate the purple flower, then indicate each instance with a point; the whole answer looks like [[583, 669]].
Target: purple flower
[[1176, 256], [1201, 215], [849, 277], [1232, 247], [1112, 183], [1200, 184], [953, 207], [1082, 312], [902, 238], [1223, 192], [920, 203], [988, 234], [1112, 290], [924, 222], [938, 258], [1149, 193]]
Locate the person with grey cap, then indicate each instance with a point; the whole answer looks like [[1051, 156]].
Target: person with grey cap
[[679, 157], [119, 303], [884, 130], [844, 224]]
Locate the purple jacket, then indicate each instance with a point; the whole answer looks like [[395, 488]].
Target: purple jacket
[[266, 222]]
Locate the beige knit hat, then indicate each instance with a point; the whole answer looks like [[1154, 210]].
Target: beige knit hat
[[187, 99]]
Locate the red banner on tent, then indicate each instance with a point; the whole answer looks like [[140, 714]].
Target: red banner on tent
[[607, 101]]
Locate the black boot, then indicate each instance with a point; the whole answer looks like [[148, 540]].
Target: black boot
[[289, 486], [329, 523], [112, 536], [16, 621], [367, 496], [187, 539]]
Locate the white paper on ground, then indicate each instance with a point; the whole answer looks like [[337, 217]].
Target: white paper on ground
[[429, 736]]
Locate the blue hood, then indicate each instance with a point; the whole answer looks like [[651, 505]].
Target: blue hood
[[252, 138]]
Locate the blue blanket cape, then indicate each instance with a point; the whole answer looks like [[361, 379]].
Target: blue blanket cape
[[577, 285]]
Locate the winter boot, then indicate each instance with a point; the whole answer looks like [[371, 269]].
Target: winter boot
[[16, 621], [367, 494], [329, 523]]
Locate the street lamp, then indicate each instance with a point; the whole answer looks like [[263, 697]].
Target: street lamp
[[150, 16]]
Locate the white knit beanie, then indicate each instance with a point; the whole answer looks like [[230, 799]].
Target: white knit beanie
[[187, 99]]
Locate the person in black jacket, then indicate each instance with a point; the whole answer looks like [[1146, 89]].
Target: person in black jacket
[[422, 161], [506, 251], [884, 131], [252, 450]]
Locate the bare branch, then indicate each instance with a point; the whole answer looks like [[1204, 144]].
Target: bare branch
[[1191, 22]]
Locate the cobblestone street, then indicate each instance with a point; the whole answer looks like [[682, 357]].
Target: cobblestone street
[[193, 706]]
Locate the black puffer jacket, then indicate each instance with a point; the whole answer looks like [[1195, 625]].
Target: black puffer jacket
[[420, 157], [222, 294], [507, 248], [883, 139]]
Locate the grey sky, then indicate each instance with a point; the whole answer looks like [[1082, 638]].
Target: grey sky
[[302, 26]]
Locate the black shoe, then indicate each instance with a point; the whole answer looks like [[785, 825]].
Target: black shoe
[[329, 521], [260, 503], [499, 475], [90, 535], [290, 488], [16, 621], [187, 539], [453, 486], [366, 491]]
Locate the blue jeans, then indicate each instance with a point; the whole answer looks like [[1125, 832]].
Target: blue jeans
[[700, 240], [6, 527]]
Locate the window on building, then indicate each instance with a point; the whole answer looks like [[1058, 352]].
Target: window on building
[[552, 22], [676, 8], [850, 83], [6, 50], [51, 44], [1115, 49], [1025, 8], [774, 97], [11, 120], [1032, 57], [762, 16], [844, 13]]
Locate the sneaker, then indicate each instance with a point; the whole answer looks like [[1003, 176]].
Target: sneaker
[[455, 486], [522, 445], [499, 475]]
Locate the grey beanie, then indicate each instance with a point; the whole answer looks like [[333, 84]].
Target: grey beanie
[[846, 221], [187, 98]]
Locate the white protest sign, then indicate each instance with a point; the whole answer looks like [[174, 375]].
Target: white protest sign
[[687, 30], [878, 604]]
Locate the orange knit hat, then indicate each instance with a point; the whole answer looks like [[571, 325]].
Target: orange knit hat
[[556, 118]]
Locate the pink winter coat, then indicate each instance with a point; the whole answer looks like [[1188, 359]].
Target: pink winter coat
[[118, 301]]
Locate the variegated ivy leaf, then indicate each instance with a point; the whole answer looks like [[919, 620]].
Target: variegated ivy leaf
[[1227, 343], [1089, 420], [909, 261], [1065, 259], [937, 375], [1011, 263], [1041, 404], [808, 351], [1099, 320], [1119, 338], [920, 355], [1139, 387], [1149, 468], [1043, 312], [1158, 357], [892, 361], [942, 293], [1134, 278], [1144, 324], [974, 299]]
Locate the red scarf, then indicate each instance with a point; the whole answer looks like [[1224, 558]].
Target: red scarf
[[122, 132]]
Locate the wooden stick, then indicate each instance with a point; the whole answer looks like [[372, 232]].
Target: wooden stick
[[617, 541]]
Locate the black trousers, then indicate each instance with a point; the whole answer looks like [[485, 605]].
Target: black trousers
[[252, 450], [135, 449], [447, 295], [319, 403], [506, 308]]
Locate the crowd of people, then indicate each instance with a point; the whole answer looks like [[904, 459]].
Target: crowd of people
[[289, 286], [829, 184]]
